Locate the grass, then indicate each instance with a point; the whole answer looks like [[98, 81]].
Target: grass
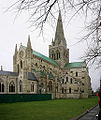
[[46, 110]]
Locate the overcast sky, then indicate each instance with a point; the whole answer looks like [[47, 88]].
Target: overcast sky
[[16, 31]]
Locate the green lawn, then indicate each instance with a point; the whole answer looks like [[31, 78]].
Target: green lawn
[[46, 110]]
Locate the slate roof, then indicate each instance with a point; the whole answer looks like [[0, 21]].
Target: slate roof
[[73, 65], [8, 73], [43, 57], [31, 76]]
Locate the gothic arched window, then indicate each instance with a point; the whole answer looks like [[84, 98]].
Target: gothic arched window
[[21, 65], [32, 87], [62, 81], [71, 80], [62, 90], [11, 87], [18, 68], [56, 88], [76, 74], [36, 64], [59, 54], [20, 86], [54, 57], [50, 86], [52, 54], [1, 87], [70, 90], [65, 90], [66, 79]]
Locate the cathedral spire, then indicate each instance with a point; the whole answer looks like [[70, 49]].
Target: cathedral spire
[[59, 35], [29, 42], [58, 51]]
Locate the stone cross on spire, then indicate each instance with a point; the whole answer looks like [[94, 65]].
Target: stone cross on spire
[[59, 35]]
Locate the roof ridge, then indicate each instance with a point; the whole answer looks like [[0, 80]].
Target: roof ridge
[[8, 73], [73, 65]]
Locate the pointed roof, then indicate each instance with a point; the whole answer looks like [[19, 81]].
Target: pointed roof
[[29, 42], [16, 49], [59, 35]]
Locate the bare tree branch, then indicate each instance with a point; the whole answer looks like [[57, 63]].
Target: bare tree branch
[[41, 10]]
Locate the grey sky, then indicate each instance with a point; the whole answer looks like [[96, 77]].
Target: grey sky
[[16, 32]]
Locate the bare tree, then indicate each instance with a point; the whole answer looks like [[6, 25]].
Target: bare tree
[[41, 10]]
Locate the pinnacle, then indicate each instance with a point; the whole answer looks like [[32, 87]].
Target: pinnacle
[[29, 42], [28, 37], [16, 49]]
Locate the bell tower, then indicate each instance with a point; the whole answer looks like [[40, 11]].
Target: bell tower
[[58, 50]]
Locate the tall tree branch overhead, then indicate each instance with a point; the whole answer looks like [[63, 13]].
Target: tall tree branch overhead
[[41, 10]]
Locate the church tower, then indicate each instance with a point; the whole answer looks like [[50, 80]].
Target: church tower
[[58, 50]]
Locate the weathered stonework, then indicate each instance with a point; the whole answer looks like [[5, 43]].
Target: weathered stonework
[[34, 73]]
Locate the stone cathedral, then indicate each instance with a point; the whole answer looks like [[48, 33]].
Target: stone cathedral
[[34, 73]]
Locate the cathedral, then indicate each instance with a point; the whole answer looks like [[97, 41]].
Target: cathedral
[[35, 73]]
